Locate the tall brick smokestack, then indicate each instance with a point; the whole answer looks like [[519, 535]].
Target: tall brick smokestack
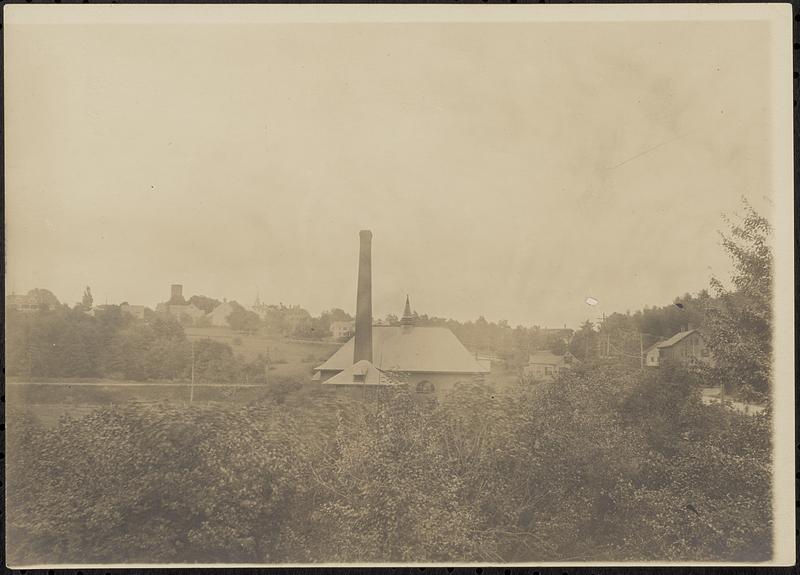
[[363, 344]]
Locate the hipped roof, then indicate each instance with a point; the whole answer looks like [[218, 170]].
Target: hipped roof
[[411, 349]]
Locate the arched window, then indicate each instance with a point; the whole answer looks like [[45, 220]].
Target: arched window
[[425, 386]]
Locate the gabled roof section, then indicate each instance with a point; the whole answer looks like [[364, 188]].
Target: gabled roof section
[[360, 373], [412, 349], [675, 339]]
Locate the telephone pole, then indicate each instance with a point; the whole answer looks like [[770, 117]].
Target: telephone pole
[[641, 350], [191, 388]]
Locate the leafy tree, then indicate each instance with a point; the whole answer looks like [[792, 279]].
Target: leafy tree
[[739, 326], [161, 484], [605, 463], [556, 345], [244, 320], [584, 343], [214, 362], [44, 297]]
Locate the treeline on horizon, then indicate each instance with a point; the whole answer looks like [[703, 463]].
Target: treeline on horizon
[[68, 342], [60, 341]]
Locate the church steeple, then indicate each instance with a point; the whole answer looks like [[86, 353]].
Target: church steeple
[[408, 318]]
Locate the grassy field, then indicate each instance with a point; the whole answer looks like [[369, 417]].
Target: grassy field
[[48, 402], [289, 357]]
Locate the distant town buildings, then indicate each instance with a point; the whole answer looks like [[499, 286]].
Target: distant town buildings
[[136, 311], [343, 329], [34, 300], [177, 306], [22, 303], [261, 309], [219, 315], [684, 347], [546, 365], [184, 312]]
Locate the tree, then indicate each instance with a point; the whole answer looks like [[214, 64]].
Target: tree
[[584, 343], [44, 297], [739, 324], [241, 319], [556, 345]]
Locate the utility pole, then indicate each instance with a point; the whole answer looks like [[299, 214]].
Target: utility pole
[[191, 388], [266, 367], [641, 350]]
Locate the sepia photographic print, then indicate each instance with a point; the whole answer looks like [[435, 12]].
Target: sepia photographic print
[[398, 285]]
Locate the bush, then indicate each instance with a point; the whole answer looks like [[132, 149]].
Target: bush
[[609, 464]]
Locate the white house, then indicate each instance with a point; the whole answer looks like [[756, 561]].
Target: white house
[[219, 315], [343, 329]]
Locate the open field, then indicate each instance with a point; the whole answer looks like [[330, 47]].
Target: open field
[[50, 399], [48, 402], [288, 357]]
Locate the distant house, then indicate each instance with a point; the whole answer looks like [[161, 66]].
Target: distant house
[[184, 312], [296, 318], [136, 311], [34, 300], [22, 303], [343, 329], [546, 365], [684, 347], [219, 315], [177, 306]]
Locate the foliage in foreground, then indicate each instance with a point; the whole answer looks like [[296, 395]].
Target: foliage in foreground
[[599, 465]]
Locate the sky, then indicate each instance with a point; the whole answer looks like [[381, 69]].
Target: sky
[[506, 170]]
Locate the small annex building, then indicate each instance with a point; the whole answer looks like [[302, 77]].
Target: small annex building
[[546, 365], [684, 347]]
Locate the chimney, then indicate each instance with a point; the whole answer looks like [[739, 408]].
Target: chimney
[[363, 343]]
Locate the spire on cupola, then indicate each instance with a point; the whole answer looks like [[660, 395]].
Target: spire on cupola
[[408, 318]]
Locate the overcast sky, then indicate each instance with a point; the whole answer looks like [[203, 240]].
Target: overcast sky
[[506, 170]]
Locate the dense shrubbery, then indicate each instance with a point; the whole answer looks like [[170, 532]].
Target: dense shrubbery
[[604, 465], [68, 343]]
